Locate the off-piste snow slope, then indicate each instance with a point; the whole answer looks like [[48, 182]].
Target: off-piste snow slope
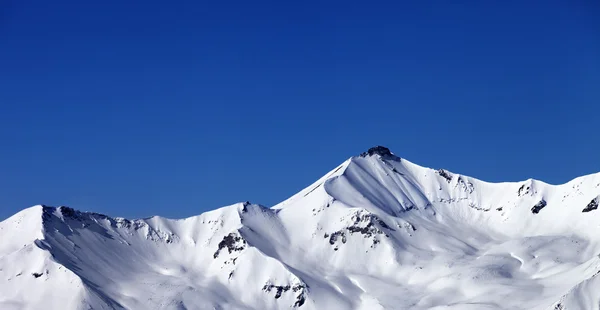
[[377, 232]]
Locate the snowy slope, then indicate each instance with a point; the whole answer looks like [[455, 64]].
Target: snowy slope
[[377, 232]]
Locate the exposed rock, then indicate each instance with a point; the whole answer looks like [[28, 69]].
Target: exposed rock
[[523, 190], [299, 289], [364, 223], [445, 174], [539, 206], [67, 212], [559, 306], [378, 150], [593, 205], [301, 297], [233, 242], [334, 237], [245, 206], [467, 186]]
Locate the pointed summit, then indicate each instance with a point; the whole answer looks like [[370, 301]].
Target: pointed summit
[[378, 150]]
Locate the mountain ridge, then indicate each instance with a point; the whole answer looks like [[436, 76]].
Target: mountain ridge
[[380, 151], [375, 224]]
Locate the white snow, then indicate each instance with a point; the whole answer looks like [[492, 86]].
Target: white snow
[[377, 232]]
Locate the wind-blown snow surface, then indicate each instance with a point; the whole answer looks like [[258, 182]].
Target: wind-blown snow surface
[[377, 232]]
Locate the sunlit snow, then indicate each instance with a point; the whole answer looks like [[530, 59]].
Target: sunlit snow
[[377, 232]]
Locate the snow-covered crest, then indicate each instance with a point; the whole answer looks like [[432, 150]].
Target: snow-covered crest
[[377, 232]]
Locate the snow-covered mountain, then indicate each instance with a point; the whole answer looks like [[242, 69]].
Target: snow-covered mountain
[[377, 232]]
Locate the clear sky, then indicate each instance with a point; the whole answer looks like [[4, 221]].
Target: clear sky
[[137, 108]]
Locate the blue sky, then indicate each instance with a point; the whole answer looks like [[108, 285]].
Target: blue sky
[[136, 108]]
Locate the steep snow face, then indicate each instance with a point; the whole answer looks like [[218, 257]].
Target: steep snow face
[[377, 232]]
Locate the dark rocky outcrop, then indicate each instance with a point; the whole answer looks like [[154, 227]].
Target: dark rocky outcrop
[[523, 190], [245, 206], [334, 237], [593, 205], [364, 223], [539, 206], [466, 186], [377, 150], [299, 289], [233, 242], [67, 212], [445, 174]]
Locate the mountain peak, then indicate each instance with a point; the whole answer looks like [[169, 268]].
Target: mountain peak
[[377, 150], [372, 215]]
